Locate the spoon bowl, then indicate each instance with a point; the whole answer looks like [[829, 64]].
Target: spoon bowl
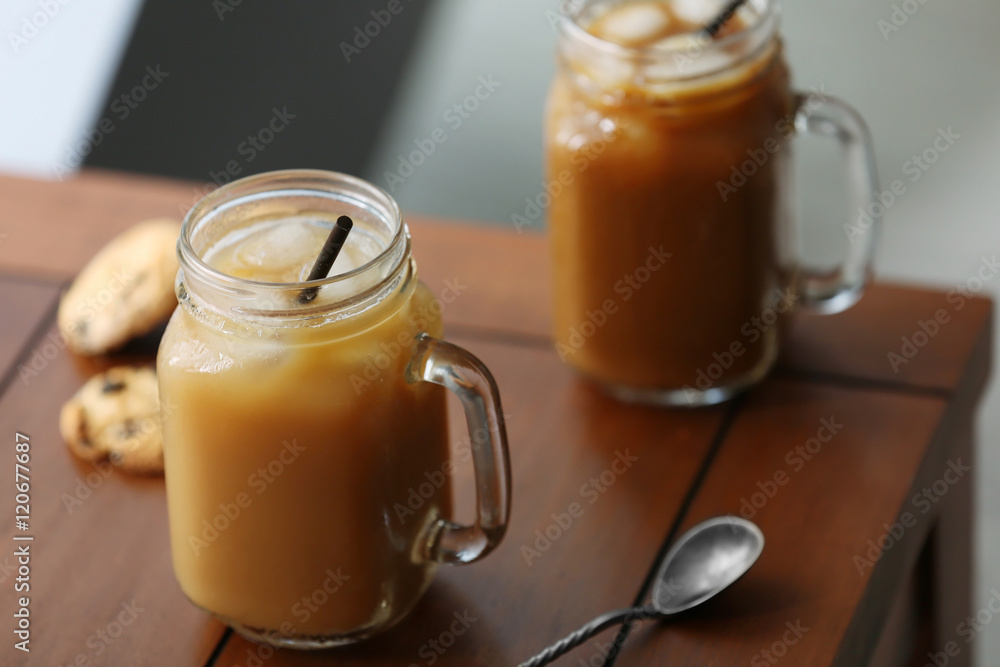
[[704, 561]]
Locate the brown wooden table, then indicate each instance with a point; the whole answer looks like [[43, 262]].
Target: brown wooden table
[[102, 591]]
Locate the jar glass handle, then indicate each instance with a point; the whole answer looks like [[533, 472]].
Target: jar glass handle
[[465, 376], [837, 290]]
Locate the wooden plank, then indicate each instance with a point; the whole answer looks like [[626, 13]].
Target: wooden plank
[[858, 343], [24, 305], [90, 559], [562, 435], [505, 277], [53, 228], [818, 522], [946, 577]]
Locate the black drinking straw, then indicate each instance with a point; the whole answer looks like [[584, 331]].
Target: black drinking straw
[[715, 26], [327, 256]]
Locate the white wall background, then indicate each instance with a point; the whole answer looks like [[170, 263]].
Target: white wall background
[[57, 60]]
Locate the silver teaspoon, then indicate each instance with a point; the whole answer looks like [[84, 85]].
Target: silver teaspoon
[[701, 564]]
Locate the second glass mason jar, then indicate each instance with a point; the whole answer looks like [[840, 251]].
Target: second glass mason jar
[[675, 257], [306, 452]]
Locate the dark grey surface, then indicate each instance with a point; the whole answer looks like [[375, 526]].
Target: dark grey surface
[[230, 66]]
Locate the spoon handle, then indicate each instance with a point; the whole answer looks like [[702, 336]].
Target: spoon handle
[[587, 631]]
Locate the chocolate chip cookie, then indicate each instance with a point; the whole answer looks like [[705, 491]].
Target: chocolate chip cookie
[[126, 290], [116, 416]]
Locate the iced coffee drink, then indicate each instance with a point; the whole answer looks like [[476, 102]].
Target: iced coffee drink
[[673, 249], [297, 433]]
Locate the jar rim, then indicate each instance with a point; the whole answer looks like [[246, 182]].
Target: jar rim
[[267, 184], [766, 18]]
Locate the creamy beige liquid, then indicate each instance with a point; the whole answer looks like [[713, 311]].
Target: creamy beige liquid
[[314, 437], [642, 157]]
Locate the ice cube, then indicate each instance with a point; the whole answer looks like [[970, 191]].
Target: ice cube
[[280, 252], [354, 254], [687, 43], [691, 56], [610, 73], [633, 24], [699, 12]]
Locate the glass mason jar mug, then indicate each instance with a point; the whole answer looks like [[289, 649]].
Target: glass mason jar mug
[[295, 433], [674, 251]]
